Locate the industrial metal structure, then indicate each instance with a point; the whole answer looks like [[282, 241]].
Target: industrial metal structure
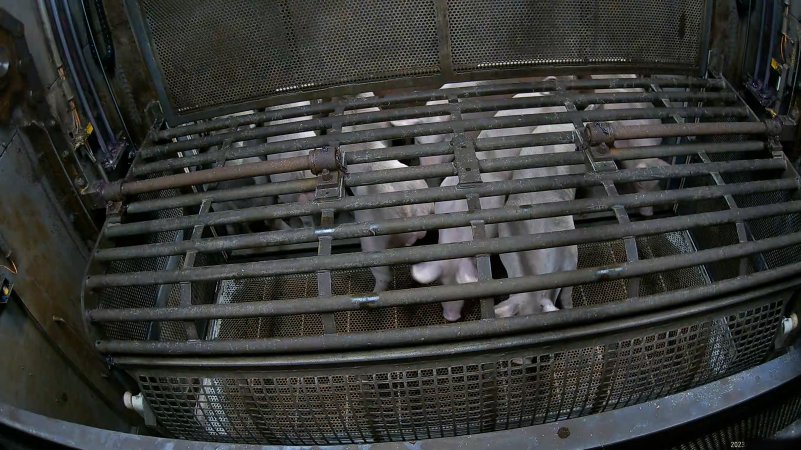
[[227, 291]]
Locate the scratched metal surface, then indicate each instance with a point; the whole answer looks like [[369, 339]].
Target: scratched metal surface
[[44, 324]]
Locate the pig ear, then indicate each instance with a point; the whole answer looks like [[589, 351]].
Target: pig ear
[[507, 309], [426, 272], [466, 272], [404, 122]]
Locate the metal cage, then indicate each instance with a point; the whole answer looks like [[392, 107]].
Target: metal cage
[[252, 337], [237, 329]]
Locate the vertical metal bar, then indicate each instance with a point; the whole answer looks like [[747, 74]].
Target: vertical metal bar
[[325, 241], [469, 173], [629, 243], [189, 261], [324, 285], [444, 39]]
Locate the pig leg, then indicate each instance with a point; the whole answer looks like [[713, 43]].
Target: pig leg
[[381, 274]]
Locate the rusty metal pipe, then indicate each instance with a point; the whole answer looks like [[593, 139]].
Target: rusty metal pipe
[[448, 127], [490, 165], [217, 174], [441, 221], [411, 255], [442, 94], [608, 133], [440, 194], [467, 106], [436, 294], [458, 338]]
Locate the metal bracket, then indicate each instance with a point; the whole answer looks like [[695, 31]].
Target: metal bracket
[[329, 185], [115, 210], [325, 158], [599, 132]]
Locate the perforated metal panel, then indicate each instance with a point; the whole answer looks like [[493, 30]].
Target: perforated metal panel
[[205, 56], [220, 51], [491, 33], [140, 296], [447, 398]]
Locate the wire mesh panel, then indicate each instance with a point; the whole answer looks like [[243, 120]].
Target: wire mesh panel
[[443, 262], [206, 56], [457, 397]]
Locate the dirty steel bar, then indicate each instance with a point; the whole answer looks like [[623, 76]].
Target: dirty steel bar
[[223, 173], [440, 194], [468, 106], [282, 358], [778, 279], [443, 148], [383, 349], [401, 152], [426, 129], [428, 95], [441, 221], [489, 288], [410, 255], [608, 133], [407, 297], [255, 191]]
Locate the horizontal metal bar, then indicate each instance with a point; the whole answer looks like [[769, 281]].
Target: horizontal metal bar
[[468, 106], [662, 151], [440, 194], [224, 173], [437, 128], [708, 310], [441, 221], [410, 255], [400, 174], [599, 133], [412, 151], [428, 95], [245, 192], [560, 326], [443, 148]]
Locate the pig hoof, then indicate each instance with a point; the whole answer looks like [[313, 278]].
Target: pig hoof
[[451, 317]]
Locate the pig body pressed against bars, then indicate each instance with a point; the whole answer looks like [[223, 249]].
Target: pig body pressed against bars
[[639, 186], [383, 274], [542, 261], [463, 270]]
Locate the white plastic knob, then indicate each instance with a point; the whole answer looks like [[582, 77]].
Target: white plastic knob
[[134, 402]]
